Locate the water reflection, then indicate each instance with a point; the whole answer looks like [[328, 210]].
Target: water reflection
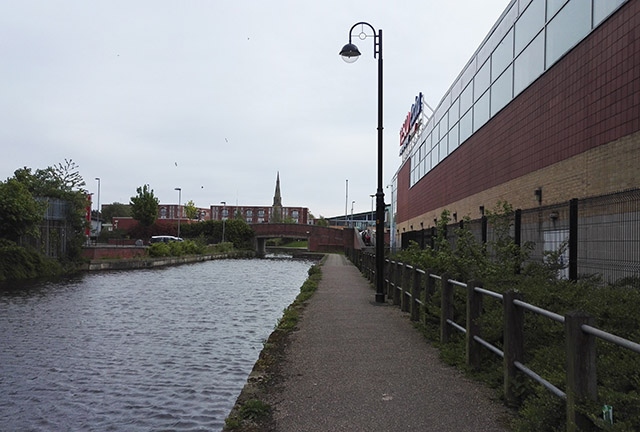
[[162, 349]]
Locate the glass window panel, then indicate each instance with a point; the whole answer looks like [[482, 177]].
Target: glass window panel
[[529, 65], [454, 113], [603, 8], [501, 91], [502, 56], [571, 24], [466, 126], [425, 166], [481, 112], [554, 6], [524, 3], [482, 80], [453, 138], [529, 24], [445, 146], [466, 99]]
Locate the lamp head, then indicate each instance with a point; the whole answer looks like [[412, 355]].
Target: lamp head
[[350, 53]]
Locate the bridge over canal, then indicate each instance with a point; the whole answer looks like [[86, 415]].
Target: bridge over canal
[[321, 239]]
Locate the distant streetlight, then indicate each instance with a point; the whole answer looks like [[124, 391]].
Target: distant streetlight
[[179, 202], [98, 213], [224, 203], [372, 197], [350, 53], [352, 203]]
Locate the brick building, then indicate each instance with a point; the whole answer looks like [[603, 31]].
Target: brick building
[[546, 110], [275, 213]]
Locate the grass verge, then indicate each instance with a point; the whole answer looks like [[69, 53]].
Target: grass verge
[[251, 412]]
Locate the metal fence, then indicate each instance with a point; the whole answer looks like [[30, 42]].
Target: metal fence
[[597, 236]]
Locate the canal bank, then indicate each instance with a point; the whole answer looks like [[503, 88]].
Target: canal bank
[[352, 364], [139, 263]]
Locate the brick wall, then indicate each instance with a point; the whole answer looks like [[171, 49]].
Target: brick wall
[[574, 132]]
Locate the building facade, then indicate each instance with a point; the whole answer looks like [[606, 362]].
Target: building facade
[[547, 110]]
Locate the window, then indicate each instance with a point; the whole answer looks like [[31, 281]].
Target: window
[[466, 99], [502, 56], [602, 9], [501, 92], [554, 6], [567, 28], [466, 126], [529, 65], [482, 81], [249, 213], [453, 138], [529, 24], [481, 112], [454, 113]]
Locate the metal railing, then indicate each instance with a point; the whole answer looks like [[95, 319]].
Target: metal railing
[[412, 289]]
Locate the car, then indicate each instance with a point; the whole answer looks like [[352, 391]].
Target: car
[[164, 239]]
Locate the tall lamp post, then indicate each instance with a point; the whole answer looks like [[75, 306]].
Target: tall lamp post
[[179, 202], [350, 53], [224, 203]]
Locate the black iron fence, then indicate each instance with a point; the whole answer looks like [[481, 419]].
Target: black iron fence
[[597, 236]]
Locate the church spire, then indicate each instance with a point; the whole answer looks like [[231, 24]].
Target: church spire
[[276, 211], [277, 199]]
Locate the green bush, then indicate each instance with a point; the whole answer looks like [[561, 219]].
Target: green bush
[[614, 308], [17, 262]]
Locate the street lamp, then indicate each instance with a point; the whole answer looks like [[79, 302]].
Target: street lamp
[[372, 196], [179, 201], [98, 213], [350, 54], [352, 203], [224, 203]]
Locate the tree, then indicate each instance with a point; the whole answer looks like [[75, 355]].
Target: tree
[[191, 210], [64, 183], [20, 213], [322, 221], [115, 209], [67, 176], [144, 206]]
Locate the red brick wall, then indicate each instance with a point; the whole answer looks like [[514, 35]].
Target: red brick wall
[[97, 253], [591, 97]]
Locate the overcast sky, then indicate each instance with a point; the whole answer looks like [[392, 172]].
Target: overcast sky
[[216, 97]]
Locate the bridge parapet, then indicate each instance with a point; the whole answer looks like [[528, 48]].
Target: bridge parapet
[[321, 239]]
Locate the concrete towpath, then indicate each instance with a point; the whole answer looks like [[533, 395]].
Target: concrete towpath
[[357, 365]]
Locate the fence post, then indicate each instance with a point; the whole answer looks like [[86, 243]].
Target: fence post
[[573, 239], [513, 334], [416, 290], [581, 369], [398, 287], [429, 290], [406, 276], [391, 274], [474, 310], [446, 308]]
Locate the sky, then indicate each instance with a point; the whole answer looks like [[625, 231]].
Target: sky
[[219, 97]]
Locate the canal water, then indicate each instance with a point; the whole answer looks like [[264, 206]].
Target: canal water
[[161, 349]]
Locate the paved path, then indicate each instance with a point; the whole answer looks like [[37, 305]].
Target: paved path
[[355, 365]]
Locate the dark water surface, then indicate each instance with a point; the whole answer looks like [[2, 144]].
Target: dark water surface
[[145, 350]]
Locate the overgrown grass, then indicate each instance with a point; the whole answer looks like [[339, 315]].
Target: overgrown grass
[[251, 412]]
